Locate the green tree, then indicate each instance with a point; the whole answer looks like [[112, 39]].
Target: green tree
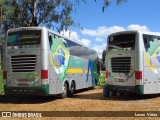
[[103, 56], [6, 14], [50, 13], [108, 2], [55, 14]]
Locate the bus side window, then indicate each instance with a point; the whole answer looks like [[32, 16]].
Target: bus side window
[[145, 40], [146, 43], [65, 43], [51, 37]]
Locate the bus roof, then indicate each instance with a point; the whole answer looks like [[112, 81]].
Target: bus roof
[[136, 31], [40, 28]]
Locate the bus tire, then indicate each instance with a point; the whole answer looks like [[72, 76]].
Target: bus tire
[[105, 91], [113, 93], [96, 83], [72, 89], [64, 92]]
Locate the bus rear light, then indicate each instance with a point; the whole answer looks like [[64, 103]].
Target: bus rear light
[[44, 74], [4, 74], [106, 74], [138, 75]]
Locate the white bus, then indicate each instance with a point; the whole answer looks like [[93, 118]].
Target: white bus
[[41, 62], [133, 63]]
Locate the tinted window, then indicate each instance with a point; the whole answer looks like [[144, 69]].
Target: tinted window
[[31, 37], [51, 38], [148, 39], [81, 51]]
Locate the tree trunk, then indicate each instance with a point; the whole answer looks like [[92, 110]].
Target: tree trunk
[[34, 16]]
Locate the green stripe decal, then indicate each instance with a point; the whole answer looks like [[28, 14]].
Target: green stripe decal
[[45, 88], [140, 89]]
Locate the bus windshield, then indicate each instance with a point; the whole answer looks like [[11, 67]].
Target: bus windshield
[[121, 42], [31, 37]]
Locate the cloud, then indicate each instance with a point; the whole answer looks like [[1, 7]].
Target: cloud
[[86, 42], [74, 36], [71, 34], [138, 27], [102, 31], [99, 39], [99, 49], [89, 32], [99, 35]]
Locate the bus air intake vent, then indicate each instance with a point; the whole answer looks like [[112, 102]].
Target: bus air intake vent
[[23, 63], [121, 64]]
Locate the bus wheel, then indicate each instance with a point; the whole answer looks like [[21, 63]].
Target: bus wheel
[[65, 91], [113, 93], [105, 91], [72, 90], [96, 83]]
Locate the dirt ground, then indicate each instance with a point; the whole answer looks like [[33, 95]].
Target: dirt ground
[[87, 100]]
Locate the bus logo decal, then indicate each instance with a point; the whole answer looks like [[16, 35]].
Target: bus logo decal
[[89, 72], [60, 52], [33, 77], [154, 52]]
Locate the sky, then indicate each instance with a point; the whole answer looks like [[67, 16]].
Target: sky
[[97, 25]]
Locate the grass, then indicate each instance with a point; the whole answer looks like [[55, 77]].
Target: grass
[[102, 78]]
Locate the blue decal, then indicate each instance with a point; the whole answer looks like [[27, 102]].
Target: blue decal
[[91, 71], [158, 55], [61, 56]]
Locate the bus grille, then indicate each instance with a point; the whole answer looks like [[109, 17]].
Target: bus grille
[[121, 64], [23, 63]]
